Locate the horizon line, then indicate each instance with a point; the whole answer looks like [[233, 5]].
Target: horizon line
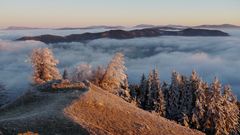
[[127, 26]]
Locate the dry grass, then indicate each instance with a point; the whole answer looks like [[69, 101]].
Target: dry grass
[[77, 112], [103, 113], [40, 112]]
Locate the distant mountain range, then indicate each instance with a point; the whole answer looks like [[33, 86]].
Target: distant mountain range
[[21, 28], [141, 26], [91, 27], [218, 26], [121, 34]]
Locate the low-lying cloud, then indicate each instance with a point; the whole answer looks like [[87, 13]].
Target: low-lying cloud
[[209, 56]]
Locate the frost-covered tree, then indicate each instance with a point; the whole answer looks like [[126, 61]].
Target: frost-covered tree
[[165, 89], [115, 74], [65, 74], [157, 94], [142, 90], [124, 91], [44, 66], [192, 102], [155, 86], [198, 101], [215, 110], [82, 72], [185, 98], [135, 94], [231, 112], [98, 75], [148, 103], [160, 104], [173, 106]]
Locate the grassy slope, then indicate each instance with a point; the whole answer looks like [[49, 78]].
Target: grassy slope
[[103, 113], [77, 112], [41, 113]]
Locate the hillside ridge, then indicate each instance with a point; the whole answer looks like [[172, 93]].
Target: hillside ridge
[[122, 34], [89, 111]]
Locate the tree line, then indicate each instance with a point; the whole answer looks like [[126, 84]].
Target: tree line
[[189, 101]]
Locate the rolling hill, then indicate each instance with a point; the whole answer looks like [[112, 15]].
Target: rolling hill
[[87, 111]]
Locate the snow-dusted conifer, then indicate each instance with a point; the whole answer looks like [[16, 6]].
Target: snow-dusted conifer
[[148, 103], [65, 74], [115, 74], [184, 98], [124, 91], [44, 66], [165, 89], [199, 101], [215, 110], [98, 75], [173, 96], [157, 94], [231, 112], [142, 90]]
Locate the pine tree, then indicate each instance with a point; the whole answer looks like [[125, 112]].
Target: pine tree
[[98, 75], [134, 93], [231, 112], [148, 100], [157, 94], [160, 104], [165, 89], [44, 65], [215, 111], [143, 89], [198, 101], [124, 91], [173, 106], [65, 75], [115, 74], [185, 98]]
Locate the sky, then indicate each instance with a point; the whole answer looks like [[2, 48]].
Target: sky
[[75, 13]]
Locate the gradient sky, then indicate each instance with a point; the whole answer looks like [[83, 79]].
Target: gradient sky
[[73, 13]]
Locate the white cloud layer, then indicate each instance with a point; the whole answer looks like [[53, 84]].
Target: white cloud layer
[[209, 56]]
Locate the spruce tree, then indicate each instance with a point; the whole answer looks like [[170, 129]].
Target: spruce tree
[[215, 111], [124, 92], [231, 112], [65, 75], [142, 90], [157, 94], [98, 75], [148, 100], [173, 106], [199, 102]]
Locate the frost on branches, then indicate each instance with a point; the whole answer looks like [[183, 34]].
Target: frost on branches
[[150, 94], [115, 75], [82, 72], [191, 102], [44, 66]]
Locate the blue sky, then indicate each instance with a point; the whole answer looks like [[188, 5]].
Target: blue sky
[[66, 13]]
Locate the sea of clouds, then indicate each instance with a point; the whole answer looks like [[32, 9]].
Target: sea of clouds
[[209, 56]]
